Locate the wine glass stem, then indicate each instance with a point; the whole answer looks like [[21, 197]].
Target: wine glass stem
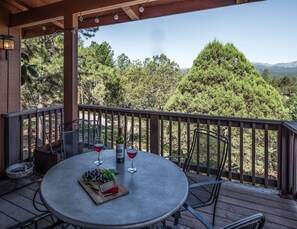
[[132, 163], [98, 156]]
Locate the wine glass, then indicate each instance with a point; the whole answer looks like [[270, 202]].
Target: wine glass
[[132, 154], [98, 146]]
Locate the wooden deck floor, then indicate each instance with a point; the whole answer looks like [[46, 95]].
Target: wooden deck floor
[[236, 201]]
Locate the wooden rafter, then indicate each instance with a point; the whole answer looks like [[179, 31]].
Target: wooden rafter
[[132, 12], [18, 4]]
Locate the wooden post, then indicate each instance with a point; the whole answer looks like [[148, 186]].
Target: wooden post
[[9, 85], [289, 160], [284, 162], [11, 140], [70, 68], [154, 134]]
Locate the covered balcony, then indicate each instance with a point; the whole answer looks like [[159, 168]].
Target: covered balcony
[[263, 178]]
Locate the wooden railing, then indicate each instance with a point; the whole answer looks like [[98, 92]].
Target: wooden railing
[[262, 152], [29, 129]]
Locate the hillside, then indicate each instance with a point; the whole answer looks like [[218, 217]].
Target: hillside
[[281, 68]]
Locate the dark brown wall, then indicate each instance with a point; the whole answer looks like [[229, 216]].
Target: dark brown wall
[[9, 79]]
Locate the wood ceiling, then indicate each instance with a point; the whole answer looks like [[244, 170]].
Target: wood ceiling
[[42, 17]]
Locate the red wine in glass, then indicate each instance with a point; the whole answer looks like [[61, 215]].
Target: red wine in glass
[[132, 154], [98, 147]]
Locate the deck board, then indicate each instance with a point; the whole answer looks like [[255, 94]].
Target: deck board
[[236, 201]]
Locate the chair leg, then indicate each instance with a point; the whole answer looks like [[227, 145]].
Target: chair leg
[[214, 212], [176, 217]]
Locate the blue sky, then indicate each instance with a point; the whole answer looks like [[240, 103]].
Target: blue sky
[[265, 32]]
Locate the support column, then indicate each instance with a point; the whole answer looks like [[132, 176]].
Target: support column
[[70, 68], [9, 85]]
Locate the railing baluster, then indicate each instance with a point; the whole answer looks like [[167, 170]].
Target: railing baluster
[[139, 129], [179, 138], [219, 146], [170, 136], [188, 135], [112, 129], [266, 156], [253, 154], [36, 130], [56, 125], [241, 152], [119, 120], [100, 124], [208, 149], [29, 136], [43, 128], [147, 133], [198, 148], [132, 130], [50, 127], [105, 129], [22, 138], [126, 127], [162, 136], [230, 150], [89, 119]]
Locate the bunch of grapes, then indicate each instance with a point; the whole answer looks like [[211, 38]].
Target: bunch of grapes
[[98, 175]]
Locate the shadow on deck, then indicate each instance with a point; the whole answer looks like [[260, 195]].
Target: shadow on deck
[[236, 201]]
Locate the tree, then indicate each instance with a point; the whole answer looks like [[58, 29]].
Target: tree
[[223, 82], [265, 74], [102, 53], [150, 84]]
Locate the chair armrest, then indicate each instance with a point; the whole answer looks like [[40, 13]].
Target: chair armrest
[[198, 216], [200, 184], [257, 218]]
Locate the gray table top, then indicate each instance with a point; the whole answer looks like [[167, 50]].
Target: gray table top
[[157, 190]]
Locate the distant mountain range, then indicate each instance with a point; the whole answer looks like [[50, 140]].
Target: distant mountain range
[[282, 68]]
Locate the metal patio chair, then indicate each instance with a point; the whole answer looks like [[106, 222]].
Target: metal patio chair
[[78, 137], [256, 221], [210, 149]]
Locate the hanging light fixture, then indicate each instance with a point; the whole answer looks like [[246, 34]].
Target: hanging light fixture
[[116, 16], [6, 43], [43, 27], [97, 20], [141, 9], [81, 18]]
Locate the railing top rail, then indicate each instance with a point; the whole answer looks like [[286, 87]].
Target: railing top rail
[[177, 114], [31, 111], [291, 125]]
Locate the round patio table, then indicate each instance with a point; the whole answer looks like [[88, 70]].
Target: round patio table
[[157, 190]]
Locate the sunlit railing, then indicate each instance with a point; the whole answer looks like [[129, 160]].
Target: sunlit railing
[[262, 152]]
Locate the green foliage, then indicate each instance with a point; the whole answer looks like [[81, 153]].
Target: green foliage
[[41, 71], [149, 85], [223, 82]]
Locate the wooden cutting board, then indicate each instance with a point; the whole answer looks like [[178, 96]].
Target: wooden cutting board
[[98, 197]]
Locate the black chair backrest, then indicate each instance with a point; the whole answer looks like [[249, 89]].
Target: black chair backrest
[[208, 150], [78, 135], [253, 222]]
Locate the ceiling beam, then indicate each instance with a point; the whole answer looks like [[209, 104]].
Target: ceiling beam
[[132, 12], [17, 4], [160, 10], [56, 11]]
